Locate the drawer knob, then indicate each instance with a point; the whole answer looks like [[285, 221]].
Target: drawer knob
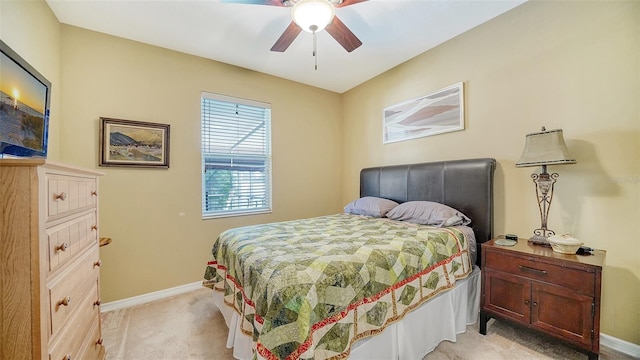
[[99, 341], [62, 247], [94, 227], [97, 303], [526, 302], [535, 303], [67, 357], [97, 263], [62, 196], [94, 193], [66, 301]]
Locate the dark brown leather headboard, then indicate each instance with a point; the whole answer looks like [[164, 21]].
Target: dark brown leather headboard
[[465, 185]]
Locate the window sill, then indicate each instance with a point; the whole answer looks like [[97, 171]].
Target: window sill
[[234, 214]]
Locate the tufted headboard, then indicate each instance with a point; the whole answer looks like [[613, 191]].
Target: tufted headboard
[[465, 185]]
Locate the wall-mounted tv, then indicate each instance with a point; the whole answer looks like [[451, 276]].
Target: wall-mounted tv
[[25, 97]]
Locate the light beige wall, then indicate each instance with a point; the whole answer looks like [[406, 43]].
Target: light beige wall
[[153, 215], [31, 29], [568, 65]]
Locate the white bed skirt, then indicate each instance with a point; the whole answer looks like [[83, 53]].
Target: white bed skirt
[[411, 338]]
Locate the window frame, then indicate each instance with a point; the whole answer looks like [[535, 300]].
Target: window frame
[[267, 156]]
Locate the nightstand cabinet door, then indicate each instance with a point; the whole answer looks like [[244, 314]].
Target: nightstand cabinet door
[[563, 312], [508, 295]]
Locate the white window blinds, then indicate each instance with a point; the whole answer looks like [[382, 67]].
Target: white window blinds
[[236, 156]]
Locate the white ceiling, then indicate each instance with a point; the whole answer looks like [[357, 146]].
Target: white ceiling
[[392, 32]]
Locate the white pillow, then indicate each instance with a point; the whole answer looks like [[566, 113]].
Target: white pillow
[[428, 213], [370, 206]]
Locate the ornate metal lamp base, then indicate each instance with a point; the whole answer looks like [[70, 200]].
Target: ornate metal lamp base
[[540, 236], [538, 240], [544, 183]]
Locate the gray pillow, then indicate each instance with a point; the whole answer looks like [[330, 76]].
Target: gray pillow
[[428, 213], [370, 206]]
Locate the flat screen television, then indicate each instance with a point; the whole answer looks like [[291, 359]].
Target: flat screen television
[[25, 97]]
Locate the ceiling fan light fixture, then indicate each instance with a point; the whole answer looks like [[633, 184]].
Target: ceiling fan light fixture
[[313, 15]]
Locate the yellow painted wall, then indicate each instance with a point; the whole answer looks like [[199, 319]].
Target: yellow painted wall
[[153, 215], [568, 65], [32, 30]]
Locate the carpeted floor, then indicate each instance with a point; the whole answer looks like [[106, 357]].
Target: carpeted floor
[[189, 326]]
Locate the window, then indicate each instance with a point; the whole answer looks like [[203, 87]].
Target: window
[[236, 156]]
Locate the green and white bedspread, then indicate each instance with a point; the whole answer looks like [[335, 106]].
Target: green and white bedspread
[[310, 288]]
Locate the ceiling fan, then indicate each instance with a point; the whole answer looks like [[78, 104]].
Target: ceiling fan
[[300, 12]]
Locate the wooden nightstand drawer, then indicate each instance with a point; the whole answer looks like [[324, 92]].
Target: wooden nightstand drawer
[[577, 280]]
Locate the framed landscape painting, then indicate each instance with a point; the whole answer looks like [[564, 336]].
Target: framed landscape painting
[[133, 143], [436, 113]]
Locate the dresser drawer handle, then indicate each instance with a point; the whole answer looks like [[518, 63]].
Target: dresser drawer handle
[[532, 270], [94, 193], [97, 263], [99, 341], [97, 303], [67, 357], [66, 301], [62, 247], [94, 227], [62, 196]]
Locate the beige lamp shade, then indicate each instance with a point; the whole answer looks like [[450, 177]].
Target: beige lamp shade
[[545, 148]]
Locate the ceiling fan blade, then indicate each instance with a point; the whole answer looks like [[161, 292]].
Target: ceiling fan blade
[[349, 2], [339, 31], [287, 37], [254, 2]]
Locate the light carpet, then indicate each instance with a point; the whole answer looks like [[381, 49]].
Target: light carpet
[[189, 326]]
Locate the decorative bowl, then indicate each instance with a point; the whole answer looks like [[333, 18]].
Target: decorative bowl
[[564, 244]]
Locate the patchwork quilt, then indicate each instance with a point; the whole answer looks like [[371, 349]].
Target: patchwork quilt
[[308, 289]]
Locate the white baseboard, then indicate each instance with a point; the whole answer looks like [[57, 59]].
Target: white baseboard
[[619, 345], [609, 341], [153, 296]]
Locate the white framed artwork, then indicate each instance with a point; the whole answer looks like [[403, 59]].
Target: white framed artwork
[[437, 113]]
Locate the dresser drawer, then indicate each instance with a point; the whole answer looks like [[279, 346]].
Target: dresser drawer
[[68, 194], [67, 292], [577, 280], [69, 344], [92, 349], [71, 238]]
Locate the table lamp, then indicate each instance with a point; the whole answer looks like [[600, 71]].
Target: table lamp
[[541, 149]]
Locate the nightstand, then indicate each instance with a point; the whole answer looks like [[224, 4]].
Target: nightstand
[[553, 293]]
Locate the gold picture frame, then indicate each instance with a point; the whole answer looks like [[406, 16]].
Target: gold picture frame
[[133, 143]]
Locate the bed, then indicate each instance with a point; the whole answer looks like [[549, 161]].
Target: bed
[[358, 287]]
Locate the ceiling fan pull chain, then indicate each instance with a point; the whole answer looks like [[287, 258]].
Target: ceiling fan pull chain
[[315, 53]]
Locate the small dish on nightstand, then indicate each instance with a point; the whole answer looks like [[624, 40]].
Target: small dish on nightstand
[[564, 244], [505, 242]]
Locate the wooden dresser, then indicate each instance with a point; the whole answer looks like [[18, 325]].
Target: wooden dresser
[[50, 262], [543, 290]]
